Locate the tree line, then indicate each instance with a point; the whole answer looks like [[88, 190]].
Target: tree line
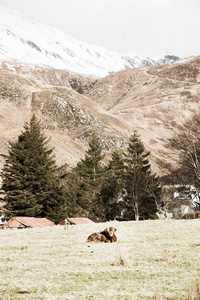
[[32, 184]]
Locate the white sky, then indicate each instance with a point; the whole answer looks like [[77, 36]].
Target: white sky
[[150, 27]]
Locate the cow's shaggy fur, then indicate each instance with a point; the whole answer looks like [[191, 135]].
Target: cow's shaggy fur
[[106, 236]]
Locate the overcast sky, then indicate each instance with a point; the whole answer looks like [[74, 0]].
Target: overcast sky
[[150, 27]]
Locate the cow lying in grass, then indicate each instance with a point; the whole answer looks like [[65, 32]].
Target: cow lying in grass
[[105, 236]]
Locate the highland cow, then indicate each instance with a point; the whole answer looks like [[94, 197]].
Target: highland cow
[[105, 236]]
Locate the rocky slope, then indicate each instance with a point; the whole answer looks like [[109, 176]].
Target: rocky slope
[[56, 97], [152, 100]]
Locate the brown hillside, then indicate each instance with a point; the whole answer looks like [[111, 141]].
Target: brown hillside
[[67, 116], [152, 100]]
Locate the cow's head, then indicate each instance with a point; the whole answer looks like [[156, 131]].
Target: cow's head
[[110, 231]]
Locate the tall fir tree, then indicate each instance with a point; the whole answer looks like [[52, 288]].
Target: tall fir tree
[[30, 183], [90, 172], [112, 190], [139, 199], [72, 187]]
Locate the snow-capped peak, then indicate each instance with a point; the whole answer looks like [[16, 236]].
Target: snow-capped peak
[[26, 41], [166, 58]]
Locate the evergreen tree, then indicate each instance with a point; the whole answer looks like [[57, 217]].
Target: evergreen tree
[[90, 172], [112, 191], [139, 199], [73, 196], [30, 183]]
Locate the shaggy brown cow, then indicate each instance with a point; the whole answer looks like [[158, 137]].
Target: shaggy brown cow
[[106, 236]]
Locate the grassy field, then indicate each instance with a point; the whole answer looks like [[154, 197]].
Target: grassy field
[[152, 260]]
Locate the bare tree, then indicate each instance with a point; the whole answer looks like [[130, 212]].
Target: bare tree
[[184, 174], [186, 143]]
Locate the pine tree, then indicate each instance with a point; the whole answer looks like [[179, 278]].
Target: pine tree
[[112, 191], [90, 172], [30, 183], [73, 198], [138, 173]]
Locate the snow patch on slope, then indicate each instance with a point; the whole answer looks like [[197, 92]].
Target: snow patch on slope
[[26, 41]]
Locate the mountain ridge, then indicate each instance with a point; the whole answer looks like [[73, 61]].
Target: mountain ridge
[[25, 41]]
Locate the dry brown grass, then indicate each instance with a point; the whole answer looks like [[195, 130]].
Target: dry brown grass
[[152, 260]]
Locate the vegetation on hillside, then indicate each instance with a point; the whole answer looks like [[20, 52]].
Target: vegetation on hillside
[[125, 188], [30, 184]]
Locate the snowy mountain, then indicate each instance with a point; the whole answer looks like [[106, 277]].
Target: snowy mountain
[[26, 41]]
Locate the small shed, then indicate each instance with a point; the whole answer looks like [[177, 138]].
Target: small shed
[[76, 221], [27, 222]]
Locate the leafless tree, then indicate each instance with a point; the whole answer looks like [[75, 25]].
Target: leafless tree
[[186, 143]]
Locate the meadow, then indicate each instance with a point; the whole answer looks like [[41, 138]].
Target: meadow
[[151, 260]]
